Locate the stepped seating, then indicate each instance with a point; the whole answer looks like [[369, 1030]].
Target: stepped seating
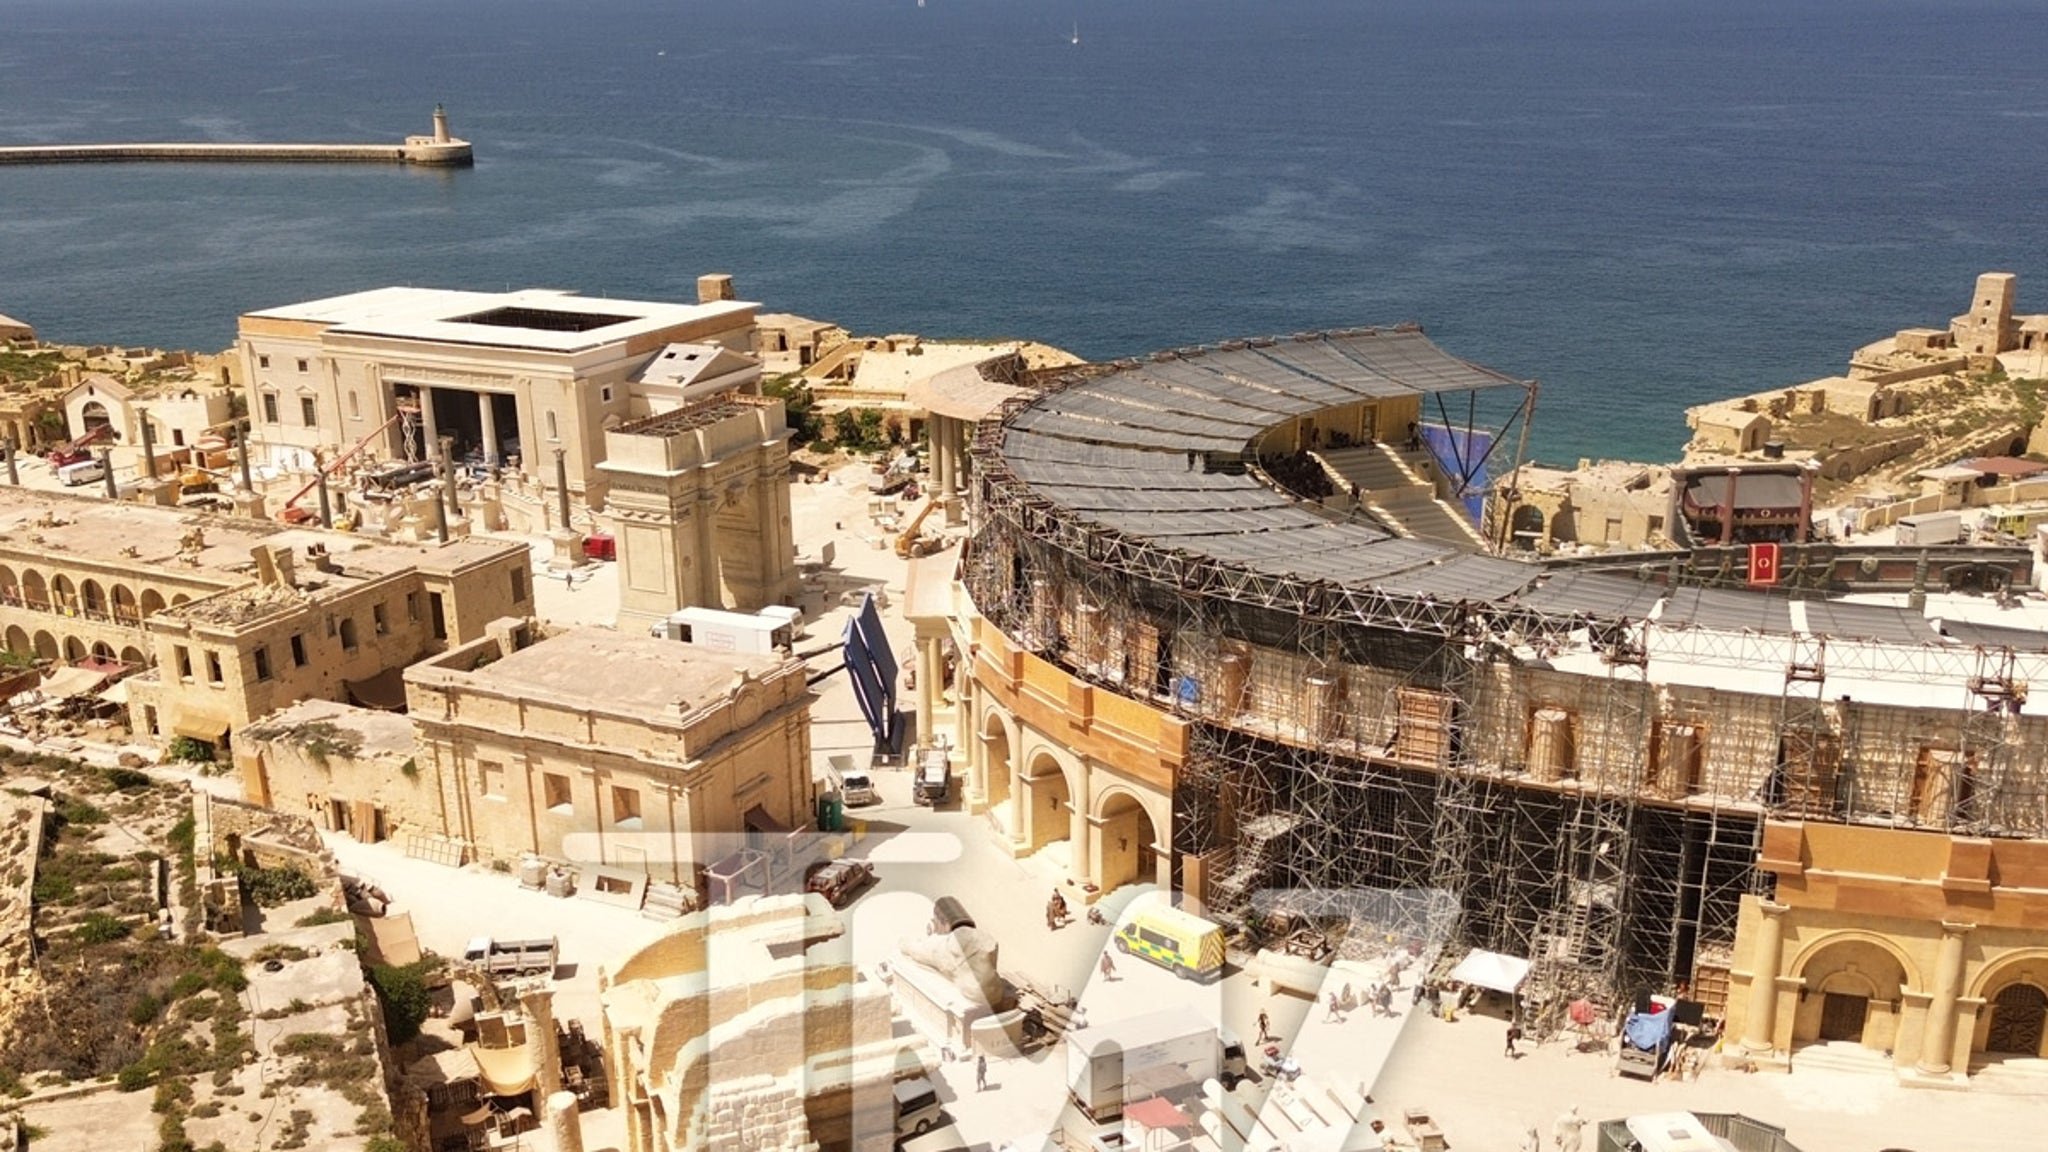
[[1392, 487]]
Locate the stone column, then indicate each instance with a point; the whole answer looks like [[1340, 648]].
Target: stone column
[[430, 432], [539, 1006], [565, 1122], [487, 412], [705, 515], [1764, 959], [929, 668], [945, 451], [1939, 1035], [1728, 508], [1077, 827]]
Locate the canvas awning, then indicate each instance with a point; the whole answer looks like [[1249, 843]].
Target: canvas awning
[[1157, 1114], [449, 1066], [204, 729], [1491, 970], [392, 939], [384, 692], [65, 683], [758, 819], [504, 1071]]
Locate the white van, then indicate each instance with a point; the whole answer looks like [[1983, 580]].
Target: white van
[[918, 1109], [83, 472]]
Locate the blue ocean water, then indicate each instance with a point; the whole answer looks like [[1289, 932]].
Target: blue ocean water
[[1642, 203]]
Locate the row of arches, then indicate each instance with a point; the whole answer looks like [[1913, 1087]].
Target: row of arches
[[1045, 798], [89, 597], [1855, 984], [69, 649]]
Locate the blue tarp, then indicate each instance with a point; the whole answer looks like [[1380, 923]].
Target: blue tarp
[[872, 668], [1461, 455], [1648, 1031]]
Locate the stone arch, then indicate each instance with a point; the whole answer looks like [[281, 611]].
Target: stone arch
[[1854, 983], [125, 608], [10, 588], [1129, 830], [18, 641], [34, 592], [152, 602], [101, 650], [348, 633], [46, 646], [74, 650], [92, 415], [132, 656], [1526, 525], [998, 763], [92, 598], [180, 599], [1048, 800], [63, 593], [2024, 965]]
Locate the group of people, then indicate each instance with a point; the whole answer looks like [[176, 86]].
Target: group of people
[[1379, 997]]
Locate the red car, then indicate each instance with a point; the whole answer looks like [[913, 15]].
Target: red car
[[838, 880]]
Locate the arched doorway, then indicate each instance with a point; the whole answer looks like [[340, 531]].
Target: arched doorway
[[93, 415], [46, 646], [1048, 803], [1853, 987], [124, 605], [92, 598], [152, 602], [1527, 526], [995, 758], [18, 641], [63, 594], [101, 650], [1125, 854], [74, 650], [132, 656], [33, 592], [10, 589], [2019, 1017]]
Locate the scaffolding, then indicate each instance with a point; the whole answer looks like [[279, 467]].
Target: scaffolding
[[1579, 783]]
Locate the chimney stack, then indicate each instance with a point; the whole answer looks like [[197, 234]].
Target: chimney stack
[[714, 287]]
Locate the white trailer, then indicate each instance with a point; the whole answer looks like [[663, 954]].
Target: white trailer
[[1929, 528], [1152, 1049], [761, 633]]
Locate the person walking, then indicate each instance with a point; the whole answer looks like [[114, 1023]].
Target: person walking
[[1265, 1027], [981, 1073], [1568, 1130], [1531, 1142], [1336, 1010], [1514, 1034], [1108, 967]]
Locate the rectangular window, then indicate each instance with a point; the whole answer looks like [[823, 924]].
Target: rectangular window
[[381, 619], [302, 365], [177, 437], [519, 585], [309, 413], [263, 361], [440, 615], [184, 662], [626, 807], [490, 776], [270, 408], [298, 651], [606, 392], [555, 793], [213, 675], [412, 606], [355, 406], [262, 663]]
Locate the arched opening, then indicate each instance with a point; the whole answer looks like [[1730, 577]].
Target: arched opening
[[179, 599], [125, 609], [10, 588], [92, 598], [2019, 1020], [33, 592], [132, 656], [152, 602], [1125, 854], [995, 756], [1526, 525], [101, 650], [18, 641], [74, 650], [63, 594], [46, 646], [348, 635], [1048, 803], [93, 415], [1853, 990]]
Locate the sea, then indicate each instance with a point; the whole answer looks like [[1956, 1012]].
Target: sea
[[1641, 204]]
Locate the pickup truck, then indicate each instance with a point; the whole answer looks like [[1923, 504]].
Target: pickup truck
[[512, 957]]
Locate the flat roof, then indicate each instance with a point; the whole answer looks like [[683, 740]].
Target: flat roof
[[625, 671], [539, 319]]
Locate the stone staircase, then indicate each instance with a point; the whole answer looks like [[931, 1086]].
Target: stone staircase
[[1841, 1056], [2010, 1076], [1394, 490]]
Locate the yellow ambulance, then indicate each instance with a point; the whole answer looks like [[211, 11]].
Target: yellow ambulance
[[1181, 942]]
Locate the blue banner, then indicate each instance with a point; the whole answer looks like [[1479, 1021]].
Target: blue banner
[[872, 668]]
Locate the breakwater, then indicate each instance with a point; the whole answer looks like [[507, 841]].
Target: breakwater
[[435, 149]]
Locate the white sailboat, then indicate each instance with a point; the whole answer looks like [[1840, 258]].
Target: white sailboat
[[1077, 31]]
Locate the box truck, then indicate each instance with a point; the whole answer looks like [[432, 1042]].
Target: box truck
[[729, 631], [1165, 1053]]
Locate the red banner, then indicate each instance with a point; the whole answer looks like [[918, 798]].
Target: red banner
[[1763, 565]]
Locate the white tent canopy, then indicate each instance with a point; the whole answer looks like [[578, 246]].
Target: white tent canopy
[[1491, 970]]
